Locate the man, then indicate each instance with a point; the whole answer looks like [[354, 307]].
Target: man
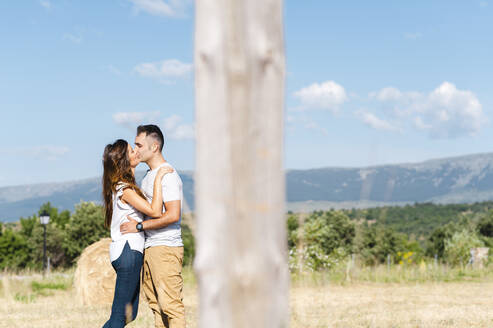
[[162, 280]]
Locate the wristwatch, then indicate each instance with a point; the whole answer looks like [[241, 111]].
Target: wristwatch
[[139, 227]]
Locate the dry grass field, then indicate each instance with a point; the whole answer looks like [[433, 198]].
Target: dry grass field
[[33, 301]]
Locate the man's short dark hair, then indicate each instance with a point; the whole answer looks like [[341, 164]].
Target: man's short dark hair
[[154, 132]]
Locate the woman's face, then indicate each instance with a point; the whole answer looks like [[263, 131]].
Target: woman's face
[[133, 157]]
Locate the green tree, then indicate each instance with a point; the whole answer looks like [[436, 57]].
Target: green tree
[[437, 239], [375, 243], [59, 219], [458, 247], [86, 226], [32, 231], [27, 225], [54, 245], [330, 230], [188, 244], [328, 237], [14, 251], [292, 225], [485, 225]]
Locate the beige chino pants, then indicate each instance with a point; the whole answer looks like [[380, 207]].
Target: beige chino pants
[[162, 283]]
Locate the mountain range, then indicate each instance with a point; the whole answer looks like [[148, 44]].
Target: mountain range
[[463, 179]]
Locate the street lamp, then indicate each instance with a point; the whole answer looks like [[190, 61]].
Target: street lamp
[[45, 219]]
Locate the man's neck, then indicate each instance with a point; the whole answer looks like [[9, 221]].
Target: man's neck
[[155, 161]]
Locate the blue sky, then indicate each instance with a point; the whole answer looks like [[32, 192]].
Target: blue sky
[[368, 82]]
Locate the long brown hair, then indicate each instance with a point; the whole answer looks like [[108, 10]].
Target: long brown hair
[[116, 168]]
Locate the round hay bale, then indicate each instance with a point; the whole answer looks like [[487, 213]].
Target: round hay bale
[[94, 278]]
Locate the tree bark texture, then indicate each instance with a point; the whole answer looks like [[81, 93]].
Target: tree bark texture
[[241, 255]]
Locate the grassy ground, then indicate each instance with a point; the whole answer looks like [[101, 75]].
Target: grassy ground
[[364, 297]]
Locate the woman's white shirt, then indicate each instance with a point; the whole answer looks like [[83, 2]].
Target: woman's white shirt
[[120, 212]]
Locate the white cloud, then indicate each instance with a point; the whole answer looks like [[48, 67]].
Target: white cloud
[[394, 94], [397, 103], [306, 123], [413, 36], [175, 130], [132, 119], [44, 152], [420, 125], [170, 8], [45, 3], [313, 126], [163, 70], [445, 112], [171, 122], [172, 126], [113, 70], [327, 95], [373, 121], [453, 112], [388, 93], [72, 38], [49, 152]]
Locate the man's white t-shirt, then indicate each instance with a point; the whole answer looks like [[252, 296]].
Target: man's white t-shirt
[[172, 190]]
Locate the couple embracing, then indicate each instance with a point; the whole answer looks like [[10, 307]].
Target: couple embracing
[[145, 230]]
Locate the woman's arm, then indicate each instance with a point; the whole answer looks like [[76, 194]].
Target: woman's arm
[[155, 209]]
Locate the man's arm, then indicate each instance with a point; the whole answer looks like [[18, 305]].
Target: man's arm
[[172, 215]]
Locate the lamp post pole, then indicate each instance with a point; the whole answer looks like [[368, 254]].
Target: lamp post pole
[[45, 219], [44, 248]]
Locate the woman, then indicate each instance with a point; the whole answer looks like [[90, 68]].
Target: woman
[[123, 198]]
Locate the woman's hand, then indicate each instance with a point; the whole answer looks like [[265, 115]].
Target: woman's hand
[[129, 227], [163, 171], [155, 209]]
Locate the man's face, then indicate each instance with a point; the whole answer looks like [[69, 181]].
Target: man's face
[[143, 146]]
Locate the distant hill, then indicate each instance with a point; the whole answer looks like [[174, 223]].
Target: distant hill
[[449, 180], [23, 201]]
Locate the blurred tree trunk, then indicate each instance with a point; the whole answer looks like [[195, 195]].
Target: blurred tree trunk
[[240, 194]]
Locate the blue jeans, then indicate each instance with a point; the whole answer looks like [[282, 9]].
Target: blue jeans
[[127, 288]]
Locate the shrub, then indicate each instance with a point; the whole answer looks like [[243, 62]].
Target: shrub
[[485, 225], [188, 244], [292, 225], [329, 231], [458, 247], [14, 251], [86, 226], [377, 242], [54, 245], [328, 237]]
